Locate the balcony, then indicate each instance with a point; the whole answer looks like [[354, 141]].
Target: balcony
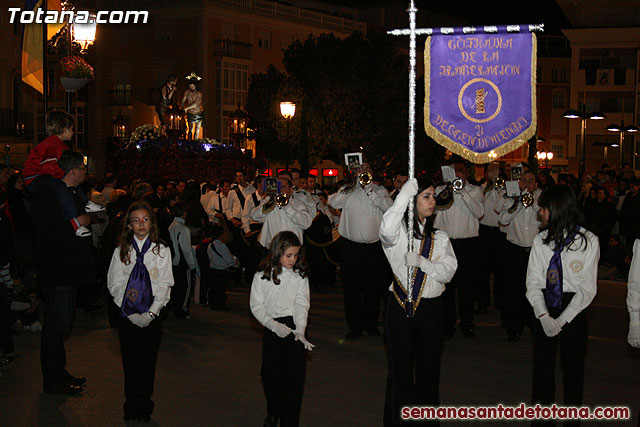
[[232, 49], [19, 127]]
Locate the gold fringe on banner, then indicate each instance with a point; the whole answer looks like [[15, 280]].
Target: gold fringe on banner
[[458, 148]]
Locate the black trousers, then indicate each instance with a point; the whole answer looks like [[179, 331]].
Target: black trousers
[[365, 275], [572, 341], [139, 349], [218, 288], [59, 311], [181, 290], [205, 283], [489, 262], [6, 340], [414, 349], [284, 366], [464, 281], [517, 308]]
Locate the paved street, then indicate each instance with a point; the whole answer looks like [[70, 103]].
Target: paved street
[[209, 365]]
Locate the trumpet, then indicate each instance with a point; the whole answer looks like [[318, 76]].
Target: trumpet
[[280, 200], [498, 183], [525, 199], [365, 179], [457, 184]]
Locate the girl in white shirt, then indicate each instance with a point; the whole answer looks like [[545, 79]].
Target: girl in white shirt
[[633, 297], [140, 279], [415, 330], [280, 301], [561, 283]]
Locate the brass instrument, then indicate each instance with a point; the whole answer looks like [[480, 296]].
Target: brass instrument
[[365, 179], [525, 199], [280, 200], [457, 184], [499, 183]]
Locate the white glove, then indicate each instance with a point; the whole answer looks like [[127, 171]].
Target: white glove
[[300, 337], [634, 329], [138, 320], [408, 190], [281, 330], [147, 317], [414, 259], [550, 325]]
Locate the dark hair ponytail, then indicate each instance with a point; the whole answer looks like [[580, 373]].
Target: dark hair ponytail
[[423, 184]]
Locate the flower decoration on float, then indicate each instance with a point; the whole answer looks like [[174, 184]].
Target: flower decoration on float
[[142, 134], [208, 143], [76, 68]]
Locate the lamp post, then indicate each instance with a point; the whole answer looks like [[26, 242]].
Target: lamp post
[[583, 116], [546, 156], [605, 145], [621, 128], [288, 110], [238, 121]]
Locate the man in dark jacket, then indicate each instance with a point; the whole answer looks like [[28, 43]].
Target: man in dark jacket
[[63, 263]]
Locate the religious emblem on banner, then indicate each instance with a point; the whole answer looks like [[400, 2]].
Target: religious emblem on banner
[[480, 93]]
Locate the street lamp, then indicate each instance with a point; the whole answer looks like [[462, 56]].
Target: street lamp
[[583, 116], [605, 145], [238, 121], [622, 129], [85, 34], [546, 156], [288, 110]]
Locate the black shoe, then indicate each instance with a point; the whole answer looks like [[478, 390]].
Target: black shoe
[[372, 331], [270, 421], [78, 381], [352, 335], [468, 332], [65, 389]]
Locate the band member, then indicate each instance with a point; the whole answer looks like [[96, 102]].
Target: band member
[[461, 223], [237, 199], [218, 206], [251, 229], [561, 283], [491, 241], [276, 217], [164, 101], [414, 329], [192, 105], [362, 261], [522, 226], [398, 182], [633, 297]]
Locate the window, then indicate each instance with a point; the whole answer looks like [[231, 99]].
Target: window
[[121, 94], [557, 147], [558, 100], [231, 91], [264, 39]]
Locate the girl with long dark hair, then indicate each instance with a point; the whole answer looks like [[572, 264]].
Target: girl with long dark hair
[[280, 301], [415, 327], [140, 279], [561, 283]]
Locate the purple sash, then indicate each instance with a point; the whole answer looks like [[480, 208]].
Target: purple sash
[[419, 278], [553, 295], [138, 296]]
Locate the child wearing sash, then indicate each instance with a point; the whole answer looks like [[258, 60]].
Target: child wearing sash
[[415, 327], [140, 279], [561, 283], [280, 302]]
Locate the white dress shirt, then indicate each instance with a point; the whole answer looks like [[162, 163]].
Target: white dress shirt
[[218, 203], [181, 234], [462, 219], [269, 301], [294, 217], [305, 197], [159, 267], [249, 205], [204, 199], [633, 285], [393, 235], [490, 217], [234, 206], [522, 225], [362, 210], [579, 273]]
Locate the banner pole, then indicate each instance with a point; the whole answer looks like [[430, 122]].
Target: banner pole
[[412, 124]]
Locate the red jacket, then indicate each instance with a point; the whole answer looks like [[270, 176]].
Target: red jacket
[[43, 159]]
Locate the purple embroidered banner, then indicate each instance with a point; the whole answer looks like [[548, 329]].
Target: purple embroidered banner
[[480, 93]]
